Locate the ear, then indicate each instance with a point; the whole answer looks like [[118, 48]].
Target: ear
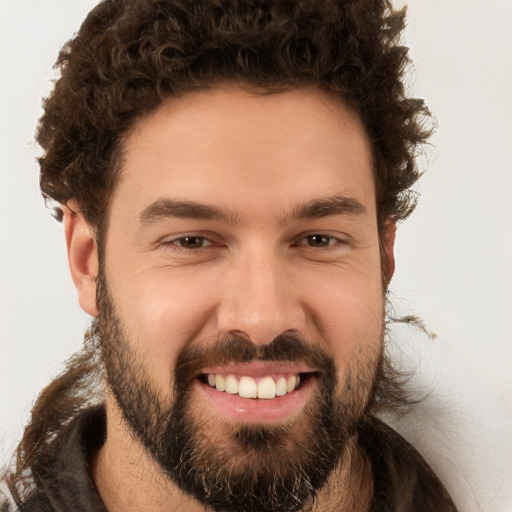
[[389, 247], [82, 256]]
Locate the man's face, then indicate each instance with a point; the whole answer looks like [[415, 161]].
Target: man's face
[[242, 257]]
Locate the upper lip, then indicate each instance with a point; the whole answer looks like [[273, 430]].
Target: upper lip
[[259, 368]]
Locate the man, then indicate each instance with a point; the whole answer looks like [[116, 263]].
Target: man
[[230, 175]]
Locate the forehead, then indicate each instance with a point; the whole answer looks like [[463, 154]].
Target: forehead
[[230, 146]]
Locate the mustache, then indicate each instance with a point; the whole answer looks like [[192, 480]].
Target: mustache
[[230, 348]]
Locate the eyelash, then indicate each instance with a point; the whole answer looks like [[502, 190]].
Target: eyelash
[[175, 244], [330, 241]]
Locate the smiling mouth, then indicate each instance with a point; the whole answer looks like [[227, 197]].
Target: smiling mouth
[[266, 387]]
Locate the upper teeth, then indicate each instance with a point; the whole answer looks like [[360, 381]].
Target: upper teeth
[[248, 387]]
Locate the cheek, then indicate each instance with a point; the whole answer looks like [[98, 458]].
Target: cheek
[[163, 313], [348, 313]]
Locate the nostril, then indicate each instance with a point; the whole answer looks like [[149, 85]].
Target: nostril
[[240, 334], [257, 335]]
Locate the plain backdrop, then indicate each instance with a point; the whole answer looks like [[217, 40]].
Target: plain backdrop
[[454, 255]]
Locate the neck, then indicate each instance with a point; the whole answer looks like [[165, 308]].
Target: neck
[[129, 480]]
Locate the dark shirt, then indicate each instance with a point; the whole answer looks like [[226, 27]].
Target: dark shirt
[[403, 481]]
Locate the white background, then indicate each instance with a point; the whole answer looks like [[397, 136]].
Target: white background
[[454, 255]]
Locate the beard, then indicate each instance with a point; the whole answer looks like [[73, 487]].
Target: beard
[[239, 467]]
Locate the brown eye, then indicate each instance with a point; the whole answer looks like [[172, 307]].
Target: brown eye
[[192, 242], [318, 240]]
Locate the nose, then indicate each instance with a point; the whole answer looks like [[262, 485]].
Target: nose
[[259, 300]]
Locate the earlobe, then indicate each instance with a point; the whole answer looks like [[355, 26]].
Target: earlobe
[[82, 256], [389, 247]]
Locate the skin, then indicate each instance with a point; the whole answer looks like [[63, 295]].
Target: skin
[[256, 274]]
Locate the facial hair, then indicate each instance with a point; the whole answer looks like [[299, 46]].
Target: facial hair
[[230, 467]]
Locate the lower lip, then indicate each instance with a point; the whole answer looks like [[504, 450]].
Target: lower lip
[[254, 410]]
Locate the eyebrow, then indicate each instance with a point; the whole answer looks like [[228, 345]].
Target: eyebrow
[[316, 208], [333, 205], [165, 208]]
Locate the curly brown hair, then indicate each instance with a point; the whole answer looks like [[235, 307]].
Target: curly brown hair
[[131, 54]]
